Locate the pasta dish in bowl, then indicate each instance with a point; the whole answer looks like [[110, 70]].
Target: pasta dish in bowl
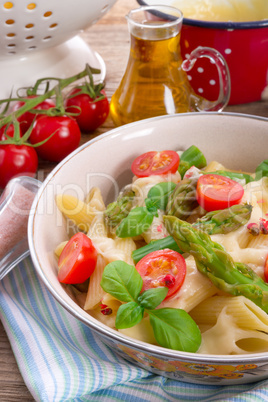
[[160, 245]]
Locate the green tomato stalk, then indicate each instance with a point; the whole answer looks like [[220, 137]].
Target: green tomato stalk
[[49, 93]]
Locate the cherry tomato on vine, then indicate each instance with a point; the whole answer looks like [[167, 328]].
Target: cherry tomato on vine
[[215, 192], [162, 268], [27, 118], [155, 163], [66, 137], [7, 130], [78, 259], [16, 160], [92, 113]]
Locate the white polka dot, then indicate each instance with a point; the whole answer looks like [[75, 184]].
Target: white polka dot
[[200, 70], [200, 90], [227, 51], [187, 56], [212, 82], [189, 77]]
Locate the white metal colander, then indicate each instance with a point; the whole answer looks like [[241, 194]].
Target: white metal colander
[[39, 38]]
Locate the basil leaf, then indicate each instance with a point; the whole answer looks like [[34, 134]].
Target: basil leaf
[[157, 197], [151, 206], [151, 298], [122, 281], [128, 315], [175, 329], [138, 220], [236, 176]]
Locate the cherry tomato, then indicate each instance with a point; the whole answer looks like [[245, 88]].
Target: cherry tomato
[[78, 260], [218, 192], [266, 269], [154, 163], [66, 137], [16, 160], [92, 113], [9, 131], [162, 268], [27, 118]]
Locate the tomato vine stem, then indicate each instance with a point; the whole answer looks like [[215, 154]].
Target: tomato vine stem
[[31, 103]]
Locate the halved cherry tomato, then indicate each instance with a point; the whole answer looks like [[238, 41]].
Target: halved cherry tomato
[[266, 269], [162, 268], [215, 192], [78, 259], [154, 163]]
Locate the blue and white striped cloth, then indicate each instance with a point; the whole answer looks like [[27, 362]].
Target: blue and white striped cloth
[[61, 359]]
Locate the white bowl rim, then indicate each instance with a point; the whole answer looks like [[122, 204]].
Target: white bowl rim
[[104, 330]]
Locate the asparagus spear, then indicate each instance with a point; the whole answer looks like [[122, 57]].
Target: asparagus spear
[[225, 220], [192, 156], [213, 261], [118, 210], [214, 222], [182, 201]]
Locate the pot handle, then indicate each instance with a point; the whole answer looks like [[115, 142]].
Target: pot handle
[[201, 104], [15, 205]]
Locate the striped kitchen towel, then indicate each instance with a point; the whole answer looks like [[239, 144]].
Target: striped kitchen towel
[[61, 359]]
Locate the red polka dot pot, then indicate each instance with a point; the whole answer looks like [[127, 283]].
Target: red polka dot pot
[[244, 46], [245, 49]]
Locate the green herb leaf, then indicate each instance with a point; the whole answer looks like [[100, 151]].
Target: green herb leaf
[[122, 281], [236, 176], [262, 170], [151, 298], [175, 329], [138, 220], [128, 315], [157, 197]]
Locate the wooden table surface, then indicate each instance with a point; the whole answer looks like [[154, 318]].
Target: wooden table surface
[[109, 37]]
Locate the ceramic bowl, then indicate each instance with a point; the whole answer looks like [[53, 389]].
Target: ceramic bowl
[[244, 46], [237, 141]]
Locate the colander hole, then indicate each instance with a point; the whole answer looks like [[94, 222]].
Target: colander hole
[[47, 14], [29, 37], [31, 6], [11, 45], [31, 47], [10, 22], [8, 5], [53, 25], [28, 26], [10, 35], [47, 37]]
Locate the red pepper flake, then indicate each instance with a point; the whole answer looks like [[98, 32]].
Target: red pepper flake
[[107, 311], [253, 229], [159, 228], [169, 280], [264, 226]]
